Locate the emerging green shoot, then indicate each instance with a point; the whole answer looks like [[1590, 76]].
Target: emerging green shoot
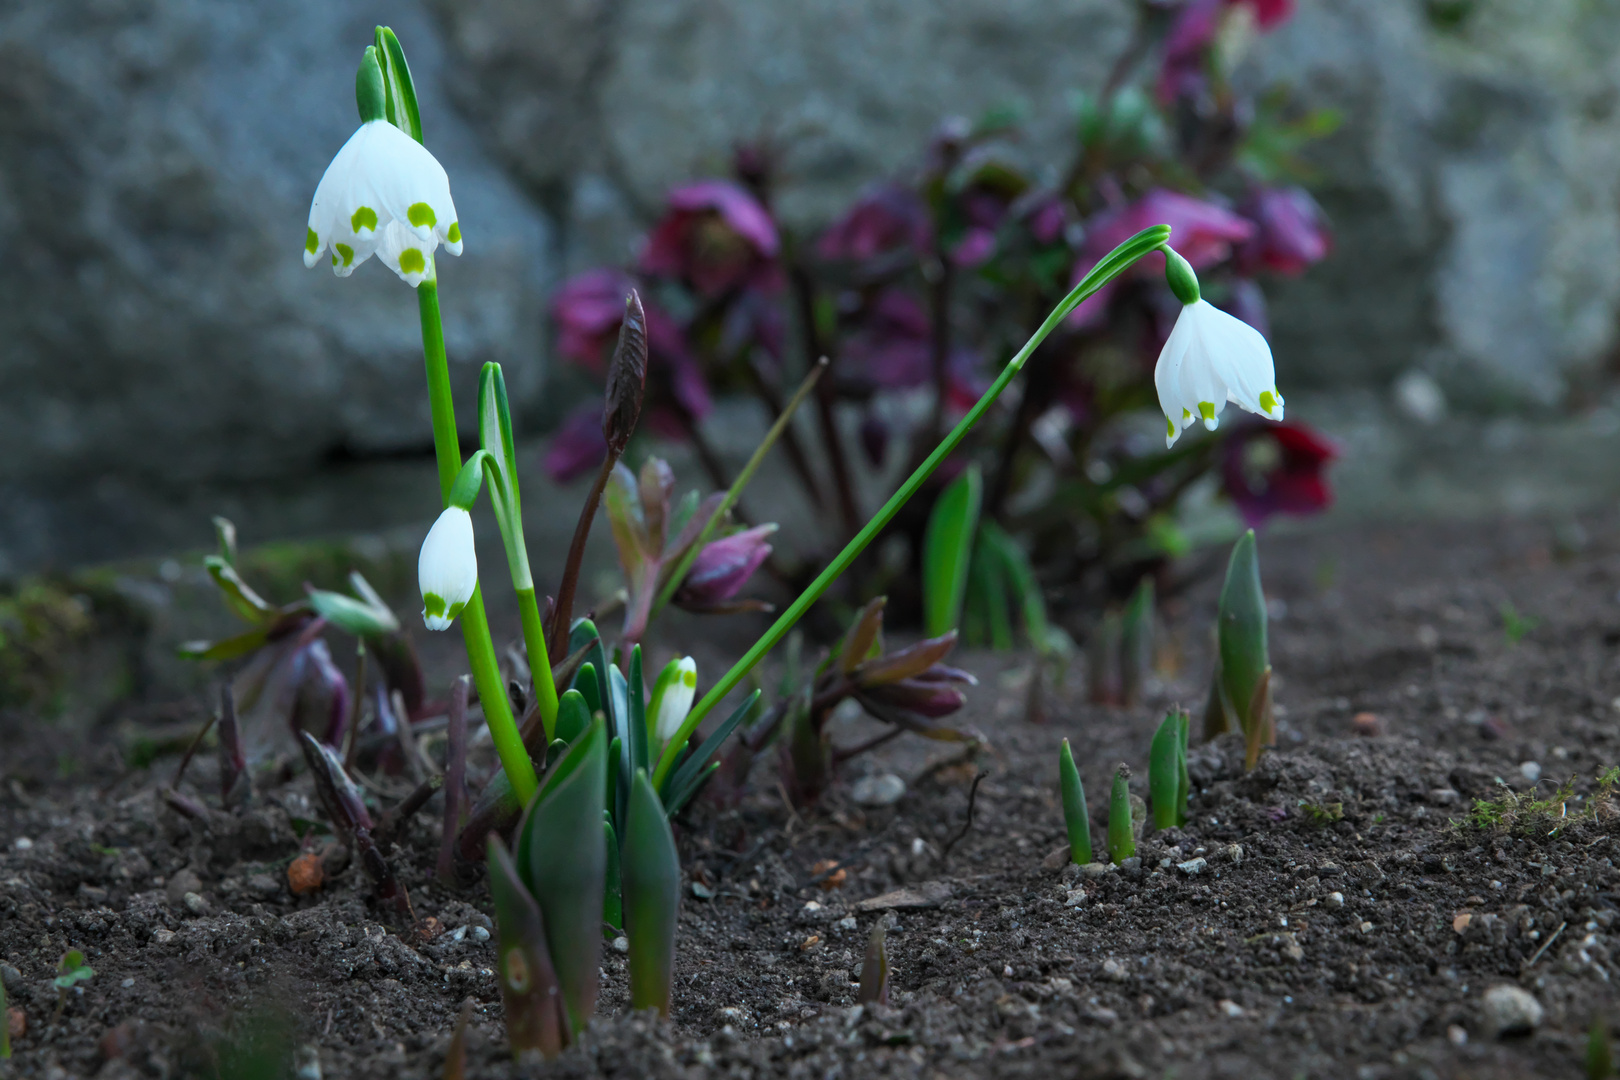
[[5, 1024], [455, 1058], [1515, 626], [530, 994], [1167, 771], [71, 970], [1136, 642], [875, 968], [1240, 698], [1599, 1053], [1075, 818], [947, 550], [1121, 835], [652, 897], [561, 854]]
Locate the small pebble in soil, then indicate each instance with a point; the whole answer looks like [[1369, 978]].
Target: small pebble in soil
[[846, 923], [195, 903], [1113, 970], [480, 933], [1511, 1011], [621, 944], [1233, 853], [181, 883], [1531, 771], [1231, 1009], [1074, 898], [1095, 869], [1366, 928], [884, 790], [305, 874], [1444, 796], [702, 891], [1428, 637], [1367, 724], [1193, 866], [458, 934], [1457, 1034], [23, 843], [127, 983], [163, 936], [1006, 971], [1335, 899]]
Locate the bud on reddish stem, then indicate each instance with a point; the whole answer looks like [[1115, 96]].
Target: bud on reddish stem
[[626, 377]]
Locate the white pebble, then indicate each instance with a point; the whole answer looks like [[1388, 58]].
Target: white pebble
[[1531, 771], [1193, 866], [480, 934], [22, 843], [1511, 1011]]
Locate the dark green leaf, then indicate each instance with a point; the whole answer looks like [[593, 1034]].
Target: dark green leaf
[[947, 548], [1075, 818], [652, 894]]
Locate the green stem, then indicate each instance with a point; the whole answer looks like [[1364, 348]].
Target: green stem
[[474, 625], [1112, 265], [534, 640], [734, 492]]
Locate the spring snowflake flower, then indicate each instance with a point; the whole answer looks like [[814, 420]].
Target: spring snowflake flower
[[676, 700], [385, 195], [447, 569], [1210, 358]]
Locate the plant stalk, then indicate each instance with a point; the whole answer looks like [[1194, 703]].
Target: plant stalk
[[474, 624], [563, 613], [534, 643], [1112, 265]]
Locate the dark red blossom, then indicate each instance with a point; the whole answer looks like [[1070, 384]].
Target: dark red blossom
[[1186, 48], [1276, 468], [716, 237], [887, 218]]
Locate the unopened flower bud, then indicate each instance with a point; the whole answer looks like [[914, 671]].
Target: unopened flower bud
[[447, 569], [724, 566], [677, 686], [626, 377]]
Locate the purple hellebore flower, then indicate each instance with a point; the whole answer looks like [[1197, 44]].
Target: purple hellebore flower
[[1290, 232], [886, 218], [716, 236], [1047, 218], [723, 567], [891, 349], [1276, 468], [578, 446], [1181, 73], [321, 703], [587, 310], [1201, 231]]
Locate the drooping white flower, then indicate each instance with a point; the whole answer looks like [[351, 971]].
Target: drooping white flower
[[676, 700], [385, 195], [1212, 358], [447, 569]]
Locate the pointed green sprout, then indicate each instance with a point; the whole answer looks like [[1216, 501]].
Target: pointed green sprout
[[1136, 642], [1242, 686], [875, 968], [530, 994], [613, 882], [1121, 837], [652, 897], [947, 549], [495, 433], [1599, 1053], [1075, 818], [1112, 265], [1167, 771], [561, 854]]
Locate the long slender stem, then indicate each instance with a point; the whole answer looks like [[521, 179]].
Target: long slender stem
[[843, 485], [474, 624], [783, 418], [563, 613], [1111, 266], [534, 643]]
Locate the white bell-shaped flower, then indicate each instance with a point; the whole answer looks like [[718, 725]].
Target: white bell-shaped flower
[[447, 569], [1212, 358], [385, 195], [676, 700]]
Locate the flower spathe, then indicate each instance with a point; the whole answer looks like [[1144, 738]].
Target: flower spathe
[[384, 194], [1212, 358], [447, 569]]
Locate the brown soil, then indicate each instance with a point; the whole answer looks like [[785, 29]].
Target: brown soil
[[1304, 946]]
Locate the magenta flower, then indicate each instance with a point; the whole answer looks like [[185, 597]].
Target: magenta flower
[[1201, 231], [1290, 232], [578, 446], [1047, 218], [1276, 469], [1182, 73], [891, 348], [717, 237], [587, 311], [886, 218], [722, 568]]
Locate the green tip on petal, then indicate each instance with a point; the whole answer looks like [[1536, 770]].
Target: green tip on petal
[[344, 252], [433, 606], [363, 218], [1268, 400], [1206, 409], [454, 235], [411, 261], [1170, 427], [421, 214], [312, 242]]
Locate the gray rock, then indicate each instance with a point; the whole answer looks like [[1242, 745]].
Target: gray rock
[[1509, 1010], [182, 883], [884, 790], [1193, 867], [156, 168]]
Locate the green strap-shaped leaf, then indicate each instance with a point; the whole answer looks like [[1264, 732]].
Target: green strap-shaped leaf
[[1121, 838], [573, 717], [1075, 818], [1183, 782], [239, 596], [636, 718], [530, 994], [562, 857], [403, 112], [357, 617], [612, 886], [228, 649], [1165, 763], [685, 781], [1242, 628], [947, 549], [652, 896], [874, 989], [1020, 578]]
